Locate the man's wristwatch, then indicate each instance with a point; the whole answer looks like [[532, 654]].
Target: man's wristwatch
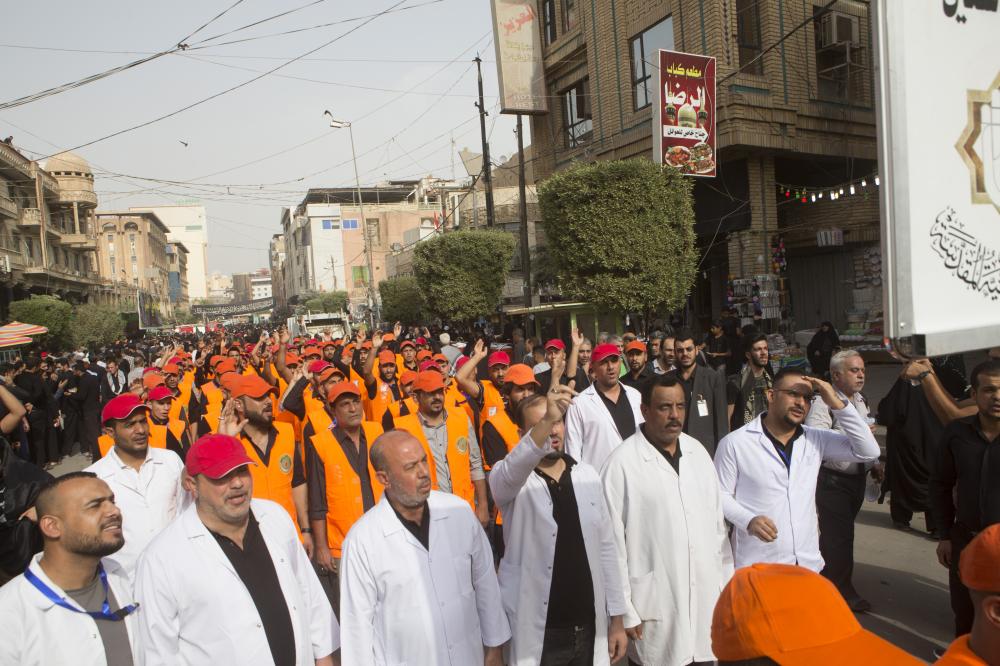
[[305, 530], [922, 375]]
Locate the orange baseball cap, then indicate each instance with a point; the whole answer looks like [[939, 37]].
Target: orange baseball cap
[[367, 344], [520, 375], [349, 349], [312, 351], [635, 345], [979, 565], [291, 359], [388, 337], [406, 343], [152, 380], [171, 369], [229, 380], [429, 381], [225, 365], [252, 386], [214, 360], [408, 378], [424, 355], [341, 389], [441, 358], [794, 617], [328, 372], [386, 357]]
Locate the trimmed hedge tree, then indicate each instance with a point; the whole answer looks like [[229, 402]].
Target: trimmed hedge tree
[[401, 300]]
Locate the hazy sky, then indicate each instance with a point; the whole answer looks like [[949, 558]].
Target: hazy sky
[[258, 148]]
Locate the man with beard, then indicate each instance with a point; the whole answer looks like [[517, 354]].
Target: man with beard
[[146, 481], [69, 607], [383, 390], [747, 391], [278, 472], [706, 416], [638, 372], [664, 361], [417, 577], [228, 581], [768, 469]]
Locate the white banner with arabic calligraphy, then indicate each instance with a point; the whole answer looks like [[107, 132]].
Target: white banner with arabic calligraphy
[[938, 76], [518, 41]]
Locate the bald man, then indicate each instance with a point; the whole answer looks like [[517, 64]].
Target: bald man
[[417, 578], [69, 607]]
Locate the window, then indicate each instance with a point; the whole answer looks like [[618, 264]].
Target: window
[[576, 114], [350, 224], [549, 21], [359, 276], [131, 244], [330, 224], [193, 227], [113, 266], [748, 36], [111, 238], [569, 15], [644, 60], [374, 231]]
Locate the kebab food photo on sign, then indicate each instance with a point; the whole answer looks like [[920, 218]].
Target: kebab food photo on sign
[[686, 121]]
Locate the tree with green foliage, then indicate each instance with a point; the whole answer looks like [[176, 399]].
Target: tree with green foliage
[[325, 301], [621, 234], [97, 325], [461, 274], [401, 300], [50, 312]]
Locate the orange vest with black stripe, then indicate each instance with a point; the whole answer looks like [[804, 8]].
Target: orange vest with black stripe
[[179, 405], [274, 480], [212, 415], [396, 407], [158, 433], [457, 454], [343, 486], [310, 400], [105, 442], [375, 407], [492, 403], [212, 393], [507, 429]]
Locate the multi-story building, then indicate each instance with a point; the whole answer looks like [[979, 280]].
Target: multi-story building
[[796, 118], [220, 288], [47, 236], [133, 251], [188, 224], [276, 260], [177, 259], [260, 284]]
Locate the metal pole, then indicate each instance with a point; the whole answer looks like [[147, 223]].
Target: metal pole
[[372, 303], [487, 167], [522, 195]]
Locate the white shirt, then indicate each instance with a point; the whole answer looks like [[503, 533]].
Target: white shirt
[[195, 608], [403, 604], [149, 498], [819, 416], [672, 547], [755, 481], [37, 632], [591, 433], [530, 531]]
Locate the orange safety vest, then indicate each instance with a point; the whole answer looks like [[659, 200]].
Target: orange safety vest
[[396, 407], [457, 454], [312, 403], [492, 403], [507, 429], [343, 486], [960, 654], [105, 442], [375, 407], [213, 396], [179, 405], [274, 480], [158, 433], [212, 415]]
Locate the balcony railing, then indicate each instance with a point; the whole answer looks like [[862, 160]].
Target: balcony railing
[[80, 241], [78, 196], [31, 217], [9, 156], [8, 207]]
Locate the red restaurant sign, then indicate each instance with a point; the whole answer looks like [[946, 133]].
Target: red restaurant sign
[[685, 121]]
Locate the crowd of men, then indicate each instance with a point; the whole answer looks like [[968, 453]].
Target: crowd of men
[[401, 498]]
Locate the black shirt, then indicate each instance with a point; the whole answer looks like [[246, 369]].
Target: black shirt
[[784, 450], [571, 595], [544, 379], [255, 568], [421, 532], [621, 412], [972, 463], [674, 460], [358, 459], [637, 382]]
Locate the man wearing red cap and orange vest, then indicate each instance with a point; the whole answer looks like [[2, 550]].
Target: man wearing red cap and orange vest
[[486, 394], [341, 481], [166, 432], [451, 438], [500, 433], [980, 571], [278, 474]]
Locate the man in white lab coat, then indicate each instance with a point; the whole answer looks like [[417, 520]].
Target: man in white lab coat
[[228, 582], [768, 470], [563, 607], [69, 607], [670, 533], [605, 413], [417, 583]]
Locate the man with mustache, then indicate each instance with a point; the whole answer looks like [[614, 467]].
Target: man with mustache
[[417, 578], [666, 510], [145, 480], [70, 607], [228, 581], [768, 471]]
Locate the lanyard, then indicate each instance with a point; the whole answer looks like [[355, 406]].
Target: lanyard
[[784, 456], [105, 612]]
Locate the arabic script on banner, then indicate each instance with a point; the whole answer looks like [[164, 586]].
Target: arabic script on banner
[[965, 256]]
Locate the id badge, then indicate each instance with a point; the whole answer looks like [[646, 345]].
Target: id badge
[[702, 408]]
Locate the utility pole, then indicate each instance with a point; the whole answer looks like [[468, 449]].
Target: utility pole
[[522, 195], [487, 170]]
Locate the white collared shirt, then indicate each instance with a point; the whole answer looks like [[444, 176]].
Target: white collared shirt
[[820, 416], [148, 498]]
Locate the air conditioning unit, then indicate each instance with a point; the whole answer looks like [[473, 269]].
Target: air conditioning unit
[[5, 263], [837, 28]]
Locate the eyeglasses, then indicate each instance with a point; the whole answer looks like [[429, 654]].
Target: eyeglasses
[[795, 395]]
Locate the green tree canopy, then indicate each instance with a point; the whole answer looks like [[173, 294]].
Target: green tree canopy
[[326, 301], [461, 274], [621, 234], [401, 300], [50, 312], [97, 325]]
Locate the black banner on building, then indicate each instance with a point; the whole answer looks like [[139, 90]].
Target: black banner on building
[[250, 307]]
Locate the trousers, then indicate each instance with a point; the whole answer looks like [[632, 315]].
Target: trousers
[[838, 500], [568, 646]]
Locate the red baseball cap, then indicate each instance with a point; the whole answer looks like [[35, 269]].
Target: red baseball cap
[[430, 365], [252, 386], [317, 366], [160, 393], [555, 343], [215, 456], [498, 358], [603, 351], [122, 407], [421, 341], [340, 389], [462, 360], [429, 381]]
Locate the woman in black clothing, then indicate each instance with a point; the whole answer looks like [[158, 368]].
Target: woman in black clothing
[[821, 348]]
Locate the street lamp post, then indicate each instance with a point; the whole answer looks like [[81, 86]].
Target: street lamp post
[[372, 301]]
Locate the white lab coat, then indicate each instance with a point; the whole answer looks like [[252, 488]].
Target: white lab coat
[[196, 610], [591, 434], [755, 482], [672, 547], [36, 632], [400, 604], [149, 499], [529, 532]]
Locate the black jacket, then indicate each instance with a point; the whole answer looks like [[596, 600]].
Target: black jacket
[[710, 386]]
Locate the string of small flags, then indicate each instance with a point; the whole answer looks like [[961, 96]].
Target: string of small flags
[[811, 194]]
